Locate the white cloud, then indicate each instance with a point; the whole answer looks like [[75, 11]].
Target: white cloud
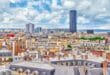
[[106, 26], [17, 17], [102, 15], [84, 5], [83, 20], [55, 6], [14, 1], [4, 4], [68, 4]]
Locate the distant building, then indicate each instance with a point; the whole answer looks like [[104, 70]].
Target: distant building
[[11, 30], [73, 21], [38, 29], [90, 31], [30, 28], [108, 33]]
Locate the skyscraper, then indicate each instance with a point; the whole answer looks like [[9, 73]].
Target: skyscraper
[[38, 29], [90, 31], [30, 28], [73, 21]]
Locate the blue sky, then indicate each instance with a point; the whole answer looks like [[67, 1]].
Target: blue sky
[[92, 14]]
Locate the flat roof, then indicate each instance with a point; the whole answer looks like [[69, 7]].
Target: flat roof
[[34, 65]]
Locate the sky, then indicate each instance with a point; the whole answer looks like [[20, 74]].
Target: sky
[[91, 14]]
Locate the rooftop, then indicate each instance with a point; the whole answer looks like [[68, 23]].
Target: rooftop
[[34, 65], [4, 50]]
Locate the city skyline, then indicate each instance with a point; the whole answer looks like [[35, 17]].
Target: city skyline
[[54, 13]]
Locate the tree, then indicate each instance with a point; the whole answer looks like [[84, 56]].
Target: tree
[[10, 59], [92, 38], [69, 46]]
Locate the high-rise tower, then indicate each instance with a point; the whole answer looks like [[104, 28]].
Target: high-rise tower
[[30, 28], [73, 21]]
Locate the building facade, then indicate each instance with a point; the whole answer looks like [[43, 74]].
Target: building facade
[[38, 29], [30, 28]]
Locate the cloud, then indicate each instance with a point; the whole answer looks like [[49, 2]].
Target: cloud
[[15, 1], [84, 5], [68, 4], [55, 5], [83, 20], [106, 26], [4, 4], [54, 13]]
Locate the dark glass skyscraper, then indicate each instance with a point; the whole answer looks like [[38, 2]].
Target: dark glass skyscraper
[[73, 21]]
